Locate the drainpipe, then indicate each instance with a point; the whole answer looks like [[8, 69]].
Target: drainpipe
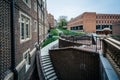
[[13, 69], [38, 46]]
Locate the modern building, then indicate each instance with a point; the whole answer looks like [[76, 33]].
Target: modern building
[[51, 20], [23, 25], [92, 22]]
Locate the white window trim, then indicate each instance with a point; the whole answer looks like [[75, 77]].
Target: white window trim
[[27, 39], [27, 66], [29, 4]]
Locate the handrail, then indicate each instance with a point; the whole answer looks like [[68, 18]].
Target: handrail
[[39, 67], [112, 52]]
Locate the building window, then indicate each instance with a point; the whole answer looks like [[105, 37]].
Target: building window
[[110, 17], [25, 29], [97, 17], [98, 27], [97, 21], [35, 6], [105, 22], [27, 2], [26, 56]]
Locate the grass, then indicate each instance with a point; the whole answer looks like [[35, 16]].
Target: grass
[[71, 33], [48, 41], [54, 33]]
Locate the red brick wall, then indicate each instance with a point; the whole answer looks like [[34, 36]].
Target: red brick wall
[[89, 22], [51, 20], [22, 47], [75, 64], [116, 29]]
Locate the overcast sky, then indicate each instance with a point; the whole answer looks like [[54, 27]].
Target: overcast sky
[[73, 8]]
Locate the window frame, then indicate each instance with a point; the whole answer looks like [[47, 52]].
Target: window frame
[[26, 56], [28, 4], [29, 28]]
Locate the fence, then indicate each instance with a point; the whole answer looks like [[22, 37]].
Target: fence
[[85, 42], [5, 38]]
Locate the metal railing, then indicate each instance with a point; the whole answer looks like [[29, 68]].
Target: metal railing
[[88, 42], [39, 66], [113, 51]]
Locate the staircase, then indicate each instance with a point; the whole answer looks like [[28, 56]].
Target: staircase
[[47, 68]]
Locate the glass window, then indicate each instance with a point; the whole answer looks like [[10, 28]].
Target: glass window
[[27, 2], [25, 27], [22, 30], [26, 56], [98, 27]]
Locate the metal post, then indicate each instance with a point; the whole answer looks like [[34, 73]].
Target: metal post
[[44, 21], [100, 43], [13, 69], [96, 43]]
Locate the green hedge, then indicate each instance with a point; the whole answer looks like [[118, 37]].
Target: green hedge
[[54, 32], [71, 33]]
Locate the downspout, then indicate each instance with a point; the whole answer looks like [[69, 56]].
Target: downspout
[[44, 20], [13, 69], [38, 47]]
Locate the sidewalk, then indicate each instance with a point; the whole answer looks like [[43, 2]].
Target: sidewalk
[[45, 50]]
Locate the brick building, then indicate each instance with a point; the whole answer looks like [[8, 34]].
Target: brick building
[[51, 21], [116, 29], [91, 22], [30, 28]]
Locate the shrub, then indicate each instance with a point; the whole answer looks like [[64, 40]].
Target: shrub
[[54, 32], [49, 40]]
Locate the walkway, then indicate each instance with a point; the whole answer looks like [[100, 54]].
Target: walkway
[[46, 64], [45, 50]]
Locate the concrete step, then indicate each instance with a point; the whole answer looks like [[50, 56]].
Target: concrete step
[[47, 61], [47, 73], [51, 75], [47, 56], [47, 66], [48, 69], [53, 78]]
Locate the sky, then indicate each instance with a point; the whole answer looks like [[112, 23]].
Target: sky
[[73, 8]]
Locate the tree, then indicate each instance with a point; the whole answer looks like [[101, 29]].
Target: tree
[[62, 22]]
